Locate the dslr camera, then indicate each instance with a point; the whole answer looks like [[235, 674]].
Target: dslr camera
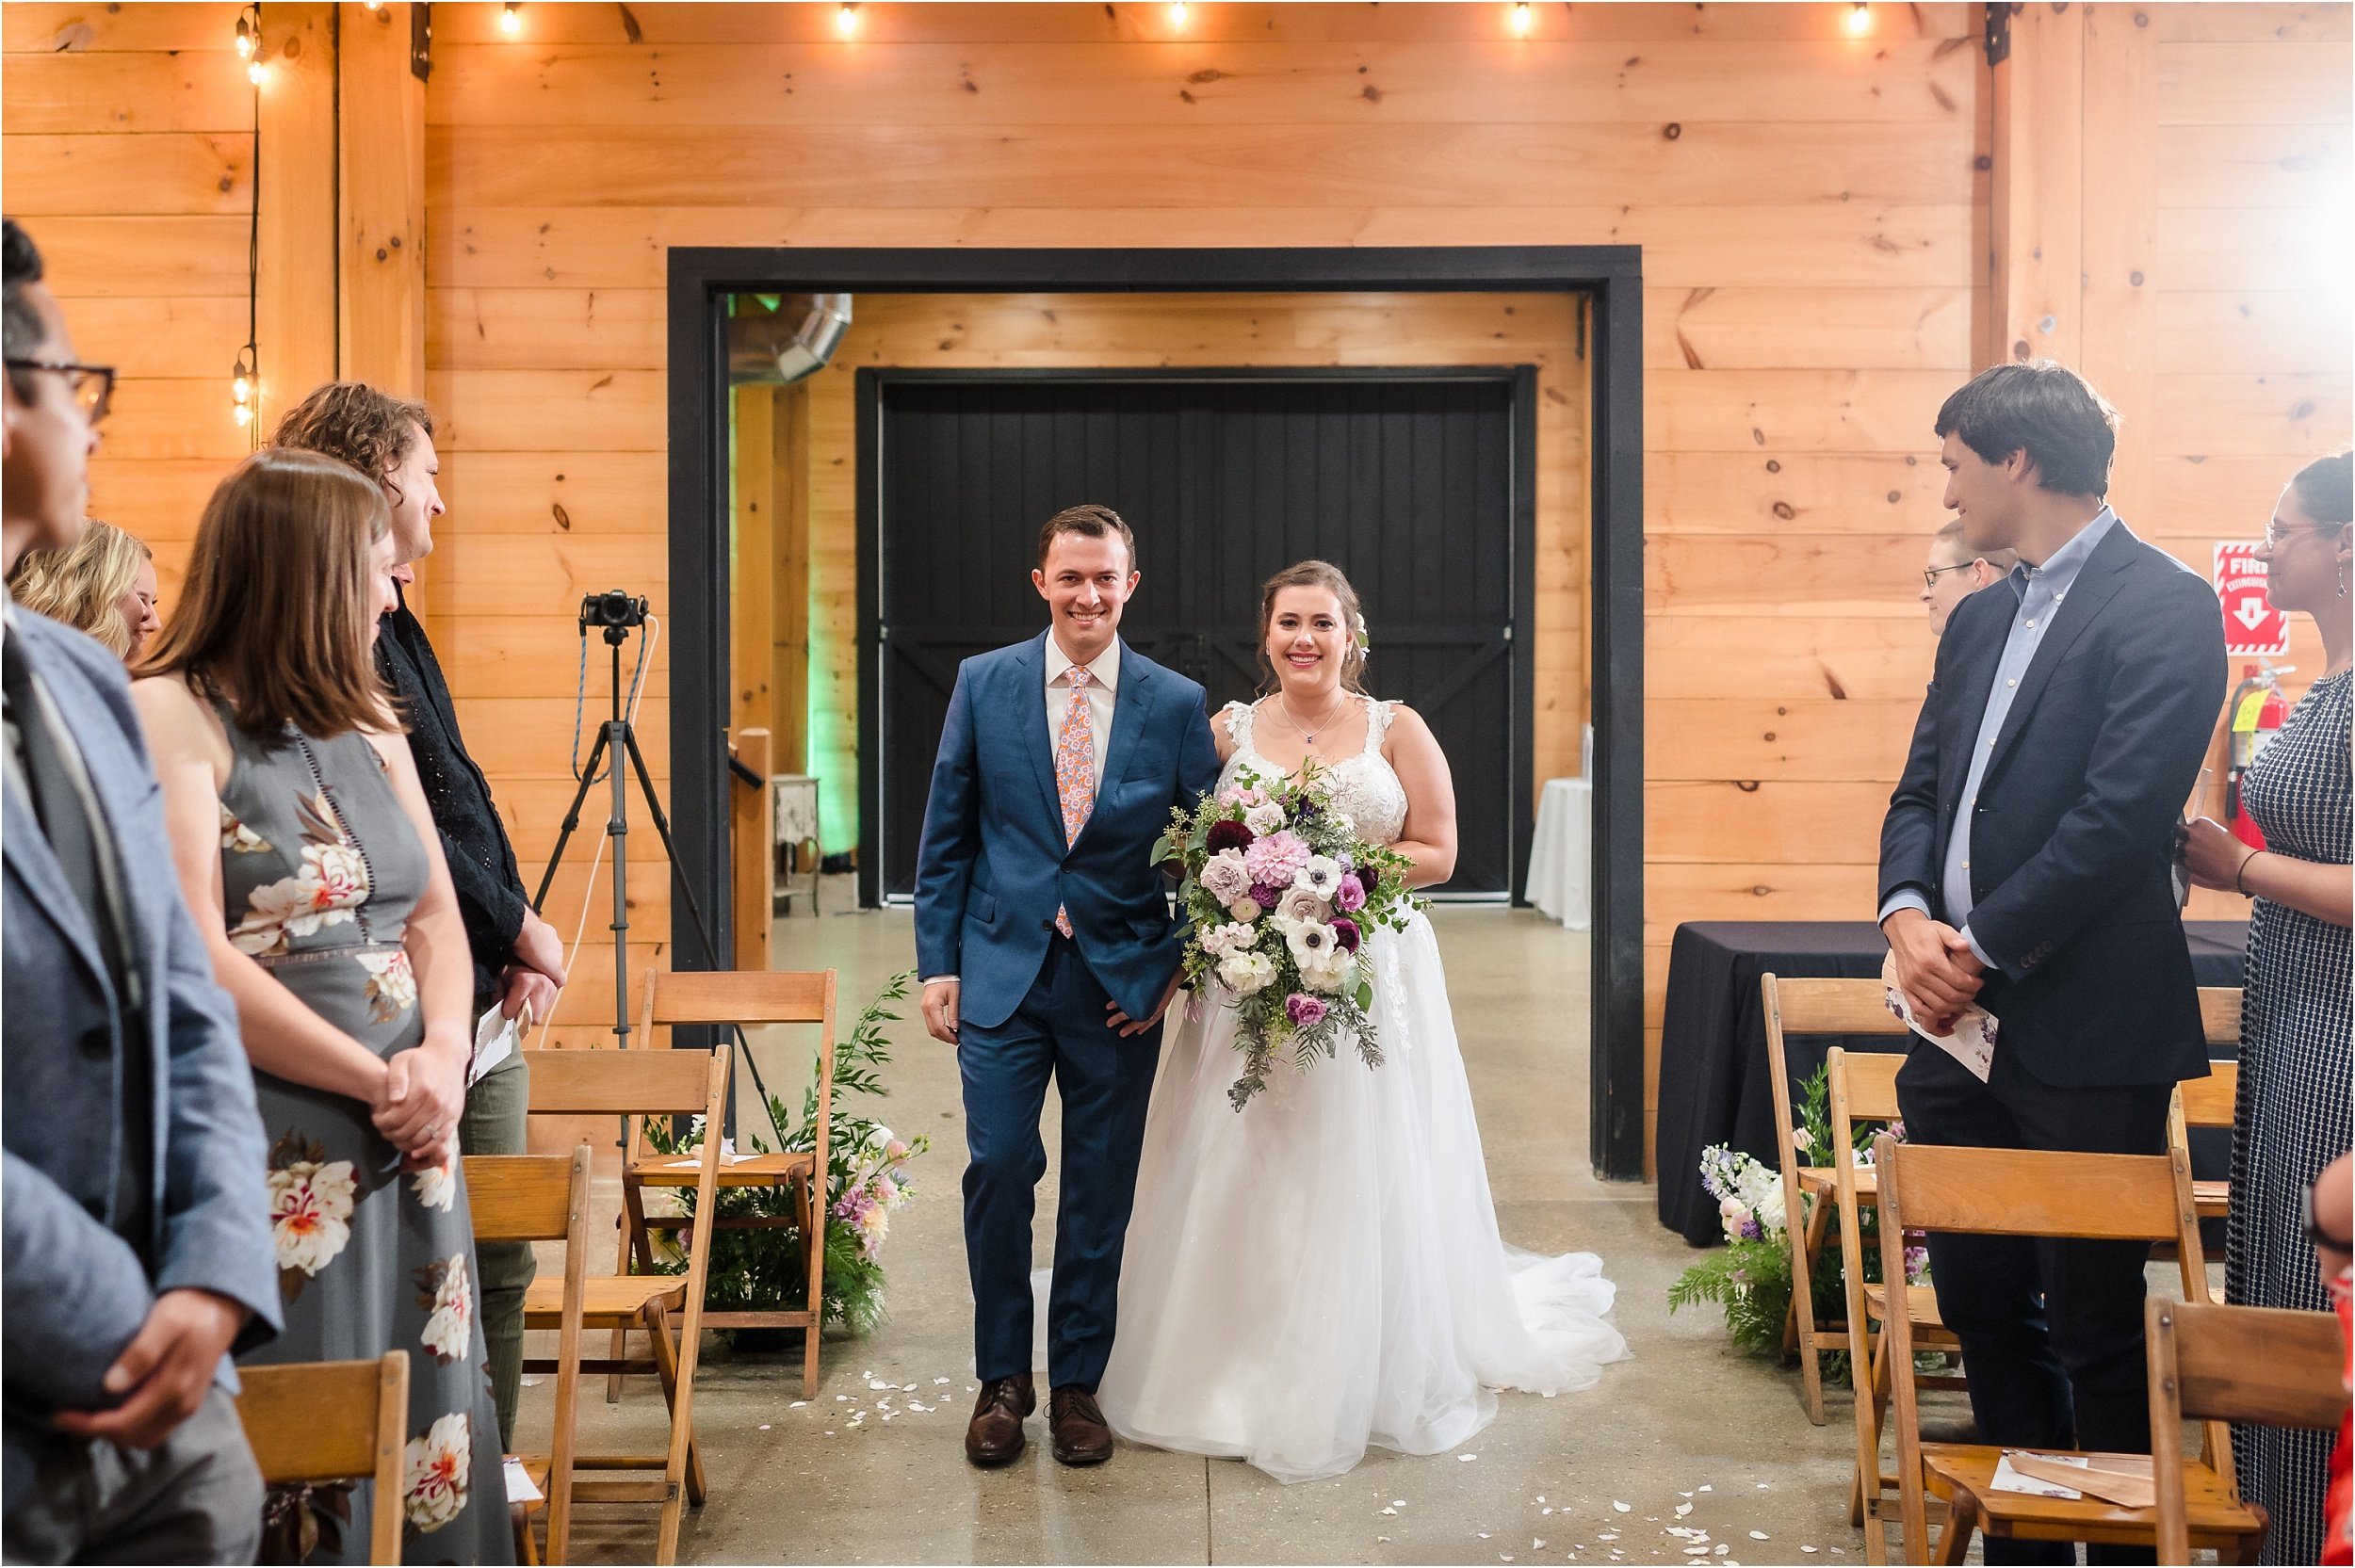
[[614, 609]]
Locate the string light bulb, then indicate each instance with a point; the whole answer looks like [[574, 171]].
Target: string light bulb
[[1177, 14], [375, 5], [257, 73], [846, 18], [241, 387], [1859, 20], [245, 41], [1522, 19], [510, 19]]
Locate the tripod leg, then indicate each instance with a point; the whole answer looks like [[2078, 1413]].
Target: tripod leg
[[572, 820]]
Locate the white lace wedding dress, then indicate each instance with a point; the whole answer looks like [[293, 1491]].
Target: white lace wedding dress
[[1321, 1270]]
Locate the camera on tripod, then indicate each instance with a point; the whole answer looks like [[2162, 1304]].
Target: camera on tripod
[[615, 610]]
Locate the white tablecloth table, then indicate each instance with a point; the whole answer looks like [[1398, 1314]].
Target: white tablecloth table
[[1561, 861]]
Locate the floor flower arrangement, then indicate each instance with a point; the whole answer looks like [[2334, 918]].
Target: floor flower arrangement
[[867, 1182]]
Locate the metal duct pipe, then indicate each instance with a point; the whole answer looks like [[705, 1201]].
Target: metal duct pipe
[[776, 347]]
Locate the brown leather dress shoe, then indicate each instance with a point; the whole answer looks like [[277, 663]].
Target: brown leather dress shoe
[[994, 1436], [1079, 1432]]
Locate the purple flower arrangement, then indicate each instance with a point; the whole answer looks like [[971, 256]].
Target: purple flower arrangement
[[1281, 895]]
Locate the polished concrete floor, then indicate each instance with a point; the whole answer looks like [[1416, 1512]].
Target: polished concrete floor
[[871, 1470]]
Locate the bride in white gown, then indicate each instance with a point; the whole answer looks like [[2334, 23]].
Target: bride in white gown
[[1321, 1272]]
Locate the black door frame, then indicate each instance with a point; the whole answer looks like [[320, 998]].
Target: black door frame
[[1520, 382], [1610, 275]]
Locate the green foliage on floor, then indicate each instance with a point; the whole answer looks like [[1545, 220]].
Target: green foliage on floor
[[761, 1269]]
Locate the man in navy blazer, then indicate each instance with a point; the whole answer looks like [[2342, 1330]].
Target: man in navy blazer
[[137, 1223], [1047, 948], [2025, 865]]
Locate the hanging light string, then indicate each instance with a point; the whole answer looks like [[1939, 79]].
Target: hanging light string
[[245, 379]]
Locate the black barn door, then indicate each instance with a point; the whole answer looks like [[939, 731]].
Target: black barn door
[[1416, 483]]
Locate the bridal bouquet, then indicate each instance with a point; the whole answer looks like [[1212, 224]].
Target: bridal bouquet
[[1282, 893]]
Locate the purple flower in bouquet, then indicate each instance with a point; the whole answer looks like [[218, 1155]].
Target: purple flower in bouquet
[[1277, 859], [1266, 897], [1349, 894], [1226, 836], [1303, 1011], [1346, 936]]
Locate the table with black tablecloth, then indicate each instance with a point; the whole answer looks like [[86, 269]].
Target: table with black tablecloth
[[1713, 1085]]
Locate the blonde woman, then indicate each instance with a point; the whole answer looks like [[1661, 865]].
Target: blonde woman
[[105, 586]]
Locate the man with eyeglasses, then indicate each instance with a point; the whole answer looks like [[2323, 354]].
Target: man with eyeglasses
[[139, 1247], [1956, 572]]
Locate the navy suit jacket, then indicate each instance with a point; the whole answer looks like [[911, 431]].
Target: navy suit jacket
[[74, 1290], [993, 867], [2073, 832]]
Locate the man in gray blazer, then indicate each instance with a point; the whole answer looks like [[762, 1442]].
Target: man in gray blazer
[[137, 1224]]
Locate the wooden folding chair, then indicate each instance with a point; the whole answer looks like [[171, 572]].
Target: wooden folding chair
[[1863, 1088], [747, 998], [2209, 1102], [2035, 1193], [2259, 1366], [1816, 1006], [544, 1198], [330, 1421], [642, 1083]]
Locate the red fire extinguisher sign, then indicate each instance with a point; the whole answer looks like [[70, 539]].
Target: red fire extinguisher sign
[[2254, 627]]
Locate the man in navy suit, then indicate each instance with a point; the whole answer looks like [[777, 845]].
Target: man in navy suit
[[2025, 865], [138, 1249], [1048, 948]]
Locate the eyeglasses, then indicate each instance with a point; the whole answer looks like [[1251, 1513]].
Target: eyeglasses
[[91, 386], [1931, 574], [2276, 532]]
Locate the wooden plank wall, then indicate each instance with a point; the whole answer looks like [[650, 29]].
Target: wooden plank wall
[[1049, 331], [1812, 207]]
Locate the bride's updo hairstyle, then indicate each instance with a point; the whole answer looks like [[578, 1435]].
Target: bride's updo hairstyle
[[1323, 574]]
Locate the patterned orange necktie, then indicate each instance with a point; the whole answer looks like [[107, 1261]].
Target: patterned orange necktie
[[1075, 769]]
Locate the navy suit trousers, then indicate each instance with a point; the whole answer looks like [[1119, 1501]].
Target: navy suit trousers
[[1104, 1081]]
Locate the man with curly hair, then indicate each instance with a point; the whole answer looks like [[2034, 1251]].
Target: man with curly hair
[[518, 957]]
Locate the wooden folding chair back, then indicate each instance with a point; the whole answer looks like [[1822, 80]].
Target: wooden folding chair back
[[330, 1421], [751, 999], [545, 1197], [2029, 1193], [1812, 1007], [1863, 1093], [646, 1083], [2219, 1014], [2257, 1366]]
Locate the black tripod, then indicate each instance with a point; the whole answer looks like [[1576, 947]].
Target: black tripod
[[619, 613]]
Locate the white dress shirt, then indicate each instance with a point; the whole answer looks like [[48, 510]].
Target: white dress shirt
[[2040, 590], [1103, 686]]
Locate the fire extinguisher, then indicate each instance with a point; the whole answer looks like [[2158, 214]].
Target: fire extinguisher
[[2258, 713]]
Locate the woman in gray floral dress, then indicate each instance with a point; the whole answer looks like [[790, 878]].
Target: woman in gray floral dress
[[295, 814], [2292, 1117]]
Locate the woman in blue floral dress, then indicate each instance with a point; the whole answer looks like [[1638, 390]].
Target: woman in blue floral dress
[[297, 817]]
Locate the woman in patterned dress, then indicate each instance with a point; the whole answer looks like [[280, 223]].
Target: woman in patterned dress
[[297, 821], [2292, 1116]]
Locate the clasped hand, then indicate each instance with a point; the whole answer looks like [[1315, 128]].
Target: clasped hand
[[419, 1104], [162, 1375], [1936, 968]]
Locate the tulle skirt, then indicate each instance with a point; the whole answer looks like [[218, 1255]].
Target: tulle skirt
[[1322, 1271]]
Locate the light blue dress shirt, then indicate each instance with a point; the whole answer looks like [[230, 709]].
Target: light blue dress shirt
[[2040, 589]]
